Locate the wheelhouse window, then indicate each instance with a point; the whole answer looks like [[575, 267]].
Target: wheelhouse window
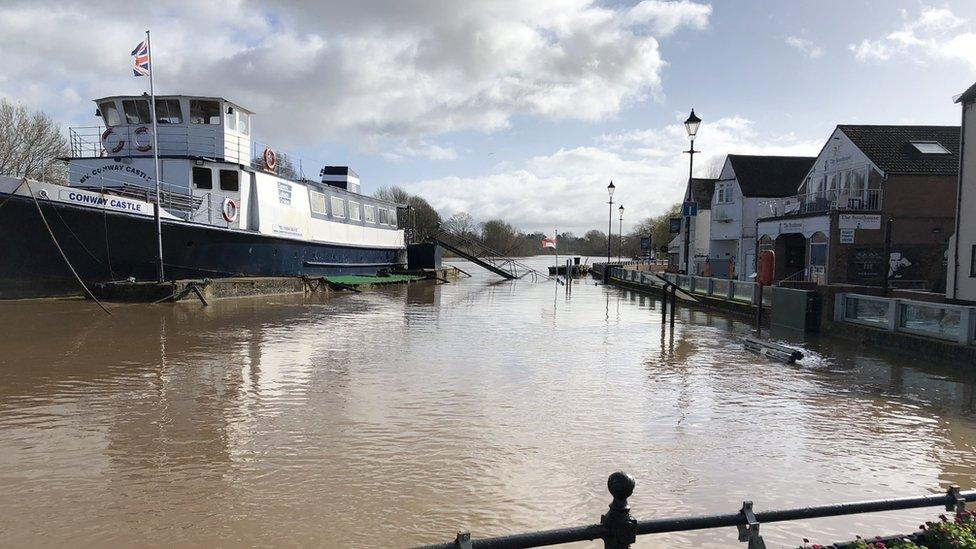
[[243, 122], [317, 203], [231, 120], [369, 213], [136, 111], [110, 113], [168, 111], [338, 207], [229, 181], [204, 112], [354, 213], [202, 178]]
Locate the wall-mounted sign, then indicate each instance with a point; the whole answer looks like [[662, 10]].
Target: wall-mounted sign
[[847, 236], [859, 221], [689, 208], [674, 225]]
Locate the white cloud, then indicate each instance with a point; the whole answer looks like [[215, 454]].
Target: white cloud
[[386, 71], [805, 46], [647, 168], [410, 148], [936, 33]]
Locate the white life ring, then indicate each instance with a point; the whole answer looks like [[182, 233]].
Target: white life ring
[[270, 159], [140, 146], [230, 210], [108, 145]]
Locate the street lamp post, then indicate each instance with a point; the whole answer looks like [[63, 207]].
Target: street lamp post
[[610, 189], [691, 126], [620, 233]]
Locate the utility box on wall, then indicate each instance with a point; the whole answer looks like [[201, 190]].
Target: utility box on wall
[[795, 309], [424, 256]]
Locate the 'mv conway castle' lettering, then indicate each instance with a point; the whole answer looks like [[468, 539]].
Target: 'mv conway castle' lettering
[[101, 201], [114, 168]]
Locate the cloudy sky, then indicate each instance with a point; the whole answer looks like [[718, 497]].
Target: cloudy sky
[[514, 109]]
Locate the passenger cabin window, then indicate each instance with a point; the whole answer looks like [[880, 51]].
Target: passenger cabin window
[[338, 207], [317, 202], [168, 111], [110, 113], [354, 211], [136, 111], [393, 218], [243, 122], [204, 112], [229, 181], [369, 213], [384, 216], [202, 178]]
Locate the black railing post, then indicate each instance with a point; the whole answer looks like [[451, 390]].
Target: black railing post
[[622, 527]]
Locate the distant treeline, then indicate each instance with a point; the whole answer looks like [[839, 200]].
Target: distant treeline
[[511, 241]]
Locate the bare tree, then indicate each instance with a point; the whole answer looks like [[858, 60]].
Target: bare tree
[[393, 194], [461, 223], [30, 144]]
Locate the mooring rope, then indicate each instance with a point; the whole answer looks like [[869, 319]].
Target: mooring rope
[[58, 246]]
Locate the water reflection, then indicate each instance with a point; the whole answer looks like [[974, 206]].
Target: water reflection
[[420, 409]]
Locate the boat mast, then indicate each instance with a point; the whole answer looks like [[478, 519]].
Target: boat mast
[[159, 202]]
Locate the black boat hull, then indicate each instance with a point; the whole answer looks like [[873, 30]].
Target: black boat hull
[[105, 246]]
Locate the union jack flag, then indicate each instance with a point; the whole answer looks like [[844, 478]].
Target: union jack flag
[[140, 65]]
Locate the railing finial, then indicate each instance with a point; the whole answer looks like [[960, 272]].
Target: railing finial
[[622, 527]]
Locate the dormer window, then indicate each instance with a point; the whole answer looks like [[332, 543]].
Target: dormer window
[[204, 112], [929, 147], [136, 111]]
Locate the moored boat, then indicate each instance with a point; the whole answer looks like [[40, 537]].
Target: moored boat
[[228, 208]]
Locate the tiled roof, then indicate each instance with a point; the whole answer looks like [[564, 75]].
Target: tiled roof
[[770, 176], [968, 95], [890, 148], [702, 191]]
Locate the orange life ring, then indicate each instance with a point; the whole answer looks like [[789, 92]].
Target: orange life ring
[[140, 131], [270, 159], [230, 210], [105, 143]]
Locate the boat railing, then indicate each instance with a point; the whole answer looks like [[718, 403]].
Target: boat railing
[[619, 529]]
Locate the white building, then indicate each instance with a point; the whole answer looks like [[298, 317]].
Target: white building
[[961, 276], [744, 182], [699, 191]]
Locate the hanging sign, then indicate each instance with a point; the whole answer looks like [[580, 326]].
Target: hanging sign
[[674, 225]]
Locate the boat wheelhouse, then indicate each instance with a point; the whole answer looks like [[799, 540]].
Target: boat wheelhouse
[[230, 206]]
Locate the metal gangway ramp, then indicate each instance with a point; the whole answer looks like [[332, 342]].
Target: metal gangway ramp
[[482, 255]]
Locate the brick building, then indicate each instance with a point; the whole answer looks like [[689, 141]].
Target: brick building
[[833, 229]]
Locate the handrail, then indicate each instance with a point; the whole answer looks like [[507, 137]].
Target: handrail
[[618, 529]]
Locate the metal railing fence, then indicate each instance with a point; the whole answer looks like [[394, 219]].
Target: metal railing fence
[[718, 288], [824, 201], [954, 323], [619, 529]]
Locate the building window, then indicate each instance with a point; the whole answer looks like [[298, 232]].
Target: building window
[[243, 122], [723, 193], [229, 181], [972, 261], [354, 211], [384, 216], [369, 213], [930, 147], [202, 178], [317, 201], [204, 112], [136, 111], [110, 113], [338, 207], [168, 111]]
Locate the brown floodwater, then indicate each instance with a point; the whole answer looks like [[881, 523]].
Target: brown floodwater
[[396, 417]]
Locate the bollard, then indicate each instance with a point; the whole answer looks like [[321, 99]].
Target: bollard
[[622, 527]]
